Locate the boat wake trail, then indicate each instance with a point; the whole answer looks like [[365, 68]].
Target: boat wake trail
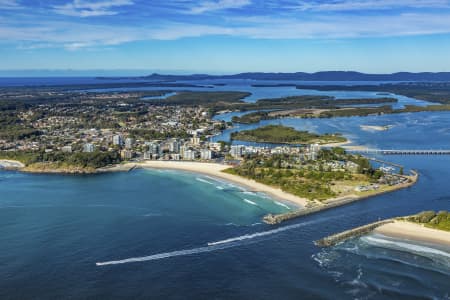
[[260, 234], [163, 255], [214, 246]]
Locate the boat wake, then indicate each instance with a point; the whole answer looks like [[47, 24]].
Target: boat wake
[[213, 246], [259, 234], [163, 255]]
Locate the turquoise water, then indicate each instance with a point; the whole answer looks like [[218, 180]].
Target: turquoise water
[[177, 235]]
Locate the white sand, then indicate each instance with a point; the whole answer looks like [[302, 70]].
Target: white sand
[[6, 163], [414, 232], [215, 170]]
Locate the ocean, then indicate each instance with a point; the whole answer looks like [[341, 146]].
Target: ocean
[[152, 234]]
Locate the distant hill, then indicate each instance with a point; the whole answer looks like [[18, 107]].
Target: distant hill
[[319, 76]]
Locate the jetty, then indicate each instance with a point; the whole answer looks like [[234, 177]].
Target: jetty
[[355, 232], [401, 151]]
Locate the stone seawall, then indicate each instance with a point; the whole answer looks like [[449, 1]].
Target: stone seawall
[[277, 219], [355, 232]]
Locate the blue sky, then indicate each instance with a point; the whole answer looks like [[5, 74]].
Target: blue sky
[[226, 36]]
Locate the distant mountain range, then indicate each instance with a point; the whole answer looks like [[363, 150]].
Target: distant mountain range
[[319, 76]]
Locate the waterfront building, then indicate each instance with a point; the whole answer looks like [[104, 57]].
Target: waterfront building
[[237, 150], [174, 146], [314, 151], [215, 146], [147, 155], [190, 154], [183, 149], [205, 154], [154, 147], [117, 140], [126, 154]]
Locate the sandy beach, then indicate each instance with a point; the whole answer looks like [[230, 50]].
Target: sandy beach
[[346, 145], [11, 164], [414, 232], [215, 170]]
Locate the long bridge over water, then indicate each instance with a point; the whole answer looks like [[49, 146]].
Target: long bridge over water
[[401, 151]]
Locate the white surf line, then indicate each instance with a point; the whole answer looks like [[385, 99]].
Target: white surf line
[[203, 180], [409, 247], [282, 204], [163, 255], [250, 202]]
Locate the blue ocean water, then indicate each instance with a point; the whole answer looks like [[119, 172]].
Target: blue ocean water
[[176, 235]]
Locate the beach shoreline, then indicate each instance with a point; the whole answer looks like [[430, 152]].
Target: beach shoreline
[[215, 170], [394, 228], [410, 231], [9, 164], [301, 206]]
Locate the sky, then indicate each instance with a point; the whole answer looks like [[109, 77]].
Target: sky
[[225, 36]]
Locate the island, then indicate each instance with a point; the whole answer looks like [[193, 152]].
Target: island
[[278, 134], [428, 227]]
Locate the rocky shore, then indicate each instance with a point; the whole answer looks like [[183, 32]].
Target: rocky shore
[[49, 168]]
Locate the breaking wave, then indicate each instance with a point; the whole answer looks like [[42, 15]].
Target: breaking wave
[[250, 202], [203, 180], [282, 204], [420, 250]]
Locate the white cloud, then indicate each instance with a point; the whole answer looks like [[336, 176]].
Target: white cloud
[[78, 35], [207, 6], [84, 8], [9, 4], [351, 5]]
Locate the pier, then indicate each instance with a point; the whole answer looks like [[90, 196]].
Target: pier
[[401, 151]]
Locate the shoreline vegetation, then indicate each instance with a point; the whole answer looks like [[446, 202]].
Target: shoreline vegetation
[[303, 206], [278, 134], [58, 162], [425, 227], [335, 112]]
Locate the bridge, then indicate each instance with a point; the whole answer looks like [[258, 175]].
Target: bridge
[[401, 151]]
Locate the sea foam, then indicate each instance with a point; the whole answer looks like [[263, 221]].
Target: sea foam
[[404, 246]]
